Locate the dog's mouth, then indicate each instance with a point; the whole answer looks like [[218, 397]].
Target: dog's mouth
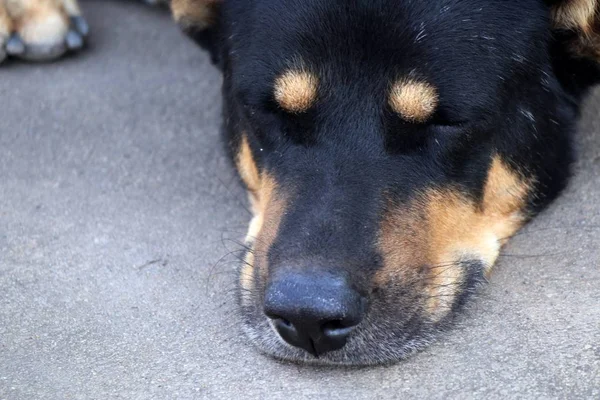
[[388, 324]]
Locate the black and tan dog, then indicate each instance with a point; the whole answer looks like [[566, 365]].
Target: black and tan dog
[[390, 148]]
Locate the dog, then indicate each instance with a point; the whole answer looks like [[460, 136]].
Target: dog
[[389, 149]]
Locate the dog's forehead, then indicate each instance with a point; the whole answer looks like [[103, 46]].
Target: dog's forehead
[[384, 28], [458, 46]]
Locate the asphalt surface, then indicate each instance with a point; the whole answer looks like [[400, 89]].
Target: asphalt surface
[[117, 204]]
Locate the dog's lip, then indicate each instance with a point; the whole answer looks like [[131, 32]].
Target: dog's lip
[[261, 335], [355, 354], [334, 359]]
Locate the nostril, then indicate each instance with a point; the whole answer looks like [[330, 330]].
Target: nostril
[[286, 323], [283, 324], [339, 330], [280, 322], [288, 332]]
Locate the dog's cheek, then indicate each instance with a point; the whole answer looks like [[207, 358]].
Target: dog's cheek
[[461, 231], [268, 202], [399, 285], [262, 232], [249, 173], [428, 243]]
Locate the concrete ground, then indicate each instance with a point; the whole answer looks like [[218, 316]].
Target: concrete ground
[[116, 202]]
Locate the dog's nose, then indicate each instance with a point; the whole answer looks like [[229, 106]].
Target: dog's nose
[[314, 313]]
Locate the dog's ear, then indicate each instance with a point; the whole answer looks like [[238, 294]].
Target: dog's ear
[[577, 22], [199, 19]]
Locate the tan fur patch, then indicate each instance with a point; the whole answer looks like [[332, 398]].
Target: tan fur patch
[[442, 227], [296, 91], [262, 232], [198, 14], [5, 22], [414, 100], [270, 209], [247, 168], [16, 8], [247, 276], [575, 14], [268, 206], [39, 21], [582, 16]]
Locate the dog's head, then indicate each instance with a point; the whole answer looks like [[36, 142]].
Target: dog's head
[[390, 148]]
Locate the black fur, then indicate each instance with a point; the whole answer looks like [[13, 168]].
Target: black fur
[[507, 87]]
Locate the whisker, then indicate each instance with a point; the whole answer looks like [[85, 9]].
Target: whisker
[[211, 271], [236, 198], [527, 231], [533, 255]]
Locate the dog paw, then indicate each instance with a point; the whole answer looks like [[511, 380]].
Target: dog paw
[[5, 29], [156, 2], [41, 30]]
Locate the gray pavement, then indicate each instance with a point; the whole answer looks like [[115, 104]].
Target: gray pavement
[[116, 205]]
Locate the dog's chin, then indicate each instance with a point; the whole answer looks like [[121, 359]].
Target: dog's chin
[[362, 350]]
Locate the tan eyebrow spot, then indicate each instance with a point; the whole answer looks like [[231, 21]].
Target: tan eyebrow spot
[[296, 91], [414, 100]]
